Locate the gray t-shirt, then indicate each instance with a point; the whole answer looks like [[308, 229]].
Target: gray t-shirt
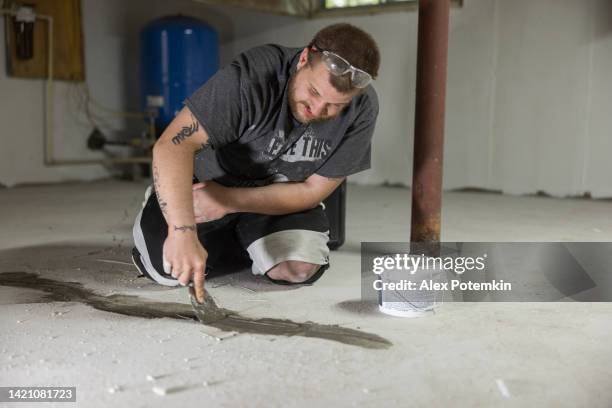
[[254, 139]]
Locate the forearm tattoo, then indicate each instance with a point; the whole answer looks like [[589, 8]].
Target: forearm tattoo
[[186, 131], [184, 228], [162, 203]]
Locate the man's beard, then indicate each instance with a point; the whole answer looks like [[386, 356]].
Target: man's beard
[[294, 104]]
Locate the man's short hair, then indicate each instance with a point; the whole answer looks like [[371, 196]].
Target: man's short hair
[[351, 43]]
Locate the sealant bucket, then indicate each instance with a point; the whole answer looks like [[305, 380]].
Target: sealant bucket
[[412, 293]]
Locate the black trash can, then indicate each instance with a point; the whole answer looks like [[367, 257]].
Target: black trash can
[[335, 209]]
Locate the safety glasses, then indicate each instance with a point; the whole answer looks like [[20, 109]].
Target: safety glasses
[[338, 66]]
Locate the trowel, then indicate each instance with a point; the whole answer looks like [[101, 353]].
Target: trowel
[[207, 312]]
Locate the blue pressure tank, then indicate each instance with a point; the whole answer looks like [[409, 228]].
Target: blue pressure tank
[[177, 55]]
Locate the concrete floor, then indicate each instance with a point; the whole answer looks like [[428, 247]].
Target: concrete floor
[[467, 354]]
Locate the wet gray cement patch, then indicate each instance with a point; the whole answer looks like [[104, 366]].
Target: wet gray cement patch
[[66, 290], [209, 313]]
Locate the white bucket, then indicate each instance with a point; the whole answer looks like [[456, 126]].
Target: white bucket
[[411, 303]]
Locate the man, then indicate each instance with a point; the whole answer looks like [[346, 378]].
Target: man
[[273, 134]]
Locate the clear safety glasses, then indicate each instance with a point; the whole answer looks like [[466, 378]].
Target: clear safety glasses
[[338, 66]]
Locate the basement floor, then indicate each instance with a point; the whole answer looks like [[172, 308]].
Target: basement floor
[[56, 333]]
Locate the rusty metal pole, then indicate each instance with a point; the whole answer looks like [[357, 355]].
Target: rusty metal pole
[[432, 55]]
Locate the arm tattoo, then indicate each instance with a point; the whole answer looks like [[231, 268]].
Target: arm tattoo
[[162, 203], [186, 131], [184, 228]]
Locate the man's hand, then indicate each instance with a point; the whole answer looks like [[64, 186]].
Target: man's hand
[[185, 258], [209, 202]]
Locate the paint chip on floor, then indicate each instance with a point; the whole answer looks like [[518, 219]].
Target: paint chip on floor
[[502, 388]]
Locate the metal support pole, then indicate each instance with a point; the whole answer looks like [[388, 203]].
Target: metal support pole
[[432, 55]]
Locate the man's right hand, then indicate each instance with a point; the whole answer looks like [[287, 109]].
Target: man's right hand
[[184, 258]]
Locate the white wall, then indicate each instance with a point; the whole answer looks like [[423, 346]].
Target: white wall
[[541, 130], [528, 100]]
